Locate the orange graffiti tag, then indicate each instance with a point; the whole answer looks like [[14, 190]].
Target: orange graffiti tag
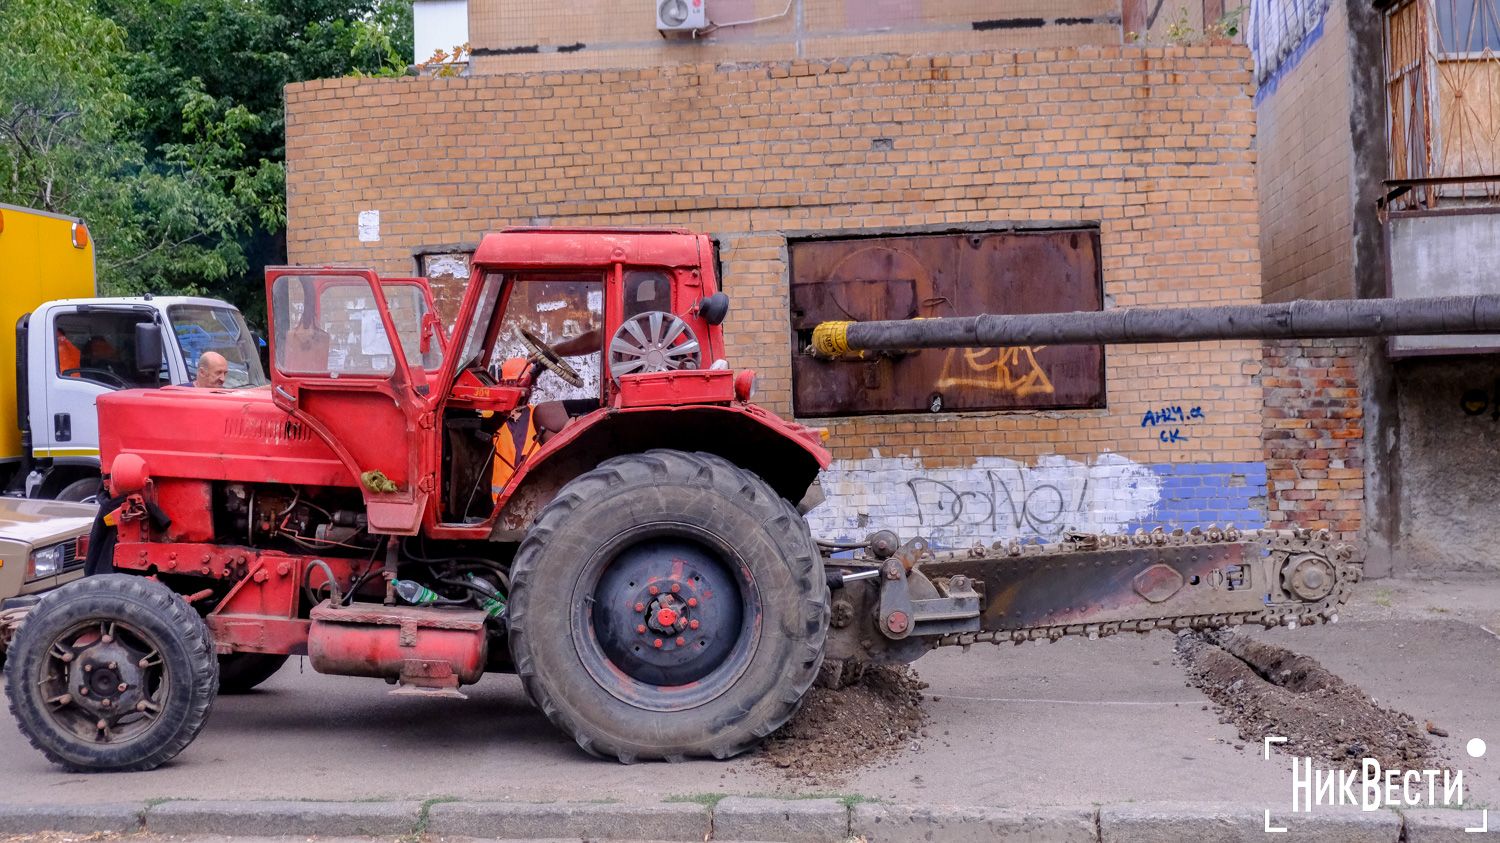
[[1012, 369]]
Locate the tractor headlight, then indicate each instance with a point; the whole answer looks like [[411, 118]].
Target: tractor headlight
[[45, 562]]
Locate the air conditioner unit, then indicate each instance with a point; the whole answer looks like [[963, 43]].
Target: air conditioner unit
[[680, 15]]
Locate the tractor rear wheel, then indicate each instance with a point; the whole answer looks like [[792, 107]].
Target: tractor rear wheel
[[240, 673], [111, 673], [668, 605]]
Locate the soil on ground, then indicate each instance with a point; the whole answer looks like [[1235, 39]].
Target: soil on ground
[[1266, 690], [839, 731]]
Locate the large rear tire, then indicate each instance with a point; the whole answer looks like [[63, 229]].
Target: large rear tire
[[668, 605], [111, 673], [240, 673]]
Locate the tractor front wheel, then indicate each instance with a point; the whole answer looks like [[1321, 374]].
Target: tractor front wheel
[[111, 673], [668, 605]]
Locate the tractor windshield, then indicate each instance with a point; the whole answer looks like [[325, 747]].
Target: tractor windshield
[[201, 328]]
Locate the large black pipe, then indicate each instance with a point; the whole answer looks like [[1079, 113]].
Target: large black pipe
[[1289, 320]]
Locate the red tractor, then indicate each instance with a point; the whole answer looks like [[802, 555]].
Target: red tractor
[[642, 566], [423, 509]]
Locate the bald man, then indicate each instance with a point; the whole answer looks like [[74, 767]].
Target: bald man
[[212, 367]]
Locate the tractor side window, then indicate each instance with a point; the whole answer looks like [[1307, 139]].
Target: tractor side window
[[99, 347], [567, 314], [647, 290], [329, 326]]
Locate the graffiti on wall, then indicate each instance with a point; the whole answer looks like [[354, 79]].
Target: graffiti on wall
[[1013, 370], [1170, 422], [1279, 33], [993, 499]]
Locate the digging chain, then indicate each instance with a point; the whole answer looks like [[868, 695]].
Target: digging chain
[[1282, 545]]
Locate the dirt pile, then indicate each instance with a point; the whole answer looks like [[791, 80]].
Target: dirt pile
[[1267, 690], [839, 731]]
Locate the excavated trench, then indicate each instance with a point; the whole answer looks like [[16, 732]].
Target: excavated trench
[[1263, 689]]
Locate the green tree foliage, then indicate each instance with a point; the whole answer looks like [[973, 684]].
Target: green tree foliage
[[160, 123]]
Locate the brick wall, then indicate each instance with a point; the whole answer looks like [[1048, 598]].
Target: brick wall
[[1314, 434], [1306, 165], [522, 35], [1155, 146]]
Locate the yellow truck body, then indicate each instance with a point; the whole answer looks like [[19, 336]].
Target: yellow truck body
[[43, 256]]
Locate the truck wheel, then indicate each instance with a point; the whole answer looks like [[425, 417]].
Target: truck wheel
[[112, 673], [240, 673], [82, 491], [667, 605]]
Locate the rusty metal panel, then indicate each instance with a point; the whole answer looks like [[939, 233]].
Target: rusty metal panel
[[927, 276]]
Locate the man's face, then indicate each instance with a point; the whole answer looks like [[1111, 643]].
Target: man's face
[[211, 371]]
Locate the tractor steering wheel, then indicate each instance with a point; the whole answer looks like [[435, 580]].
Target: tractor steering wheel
[[87, 373], [551, 359]]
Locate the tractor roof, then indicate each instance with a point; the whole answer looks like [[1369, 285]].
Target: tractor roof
[[559, 247]]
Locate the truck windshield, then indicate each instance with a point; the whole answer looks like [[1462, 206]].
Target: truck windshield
[[201, 328]]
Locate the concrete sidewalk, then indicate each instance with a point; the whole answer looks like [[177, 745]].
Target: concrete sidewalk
[[1075, 724]]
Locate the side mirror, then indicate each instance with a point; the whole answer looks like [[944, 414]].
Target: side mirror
[[714, 308], [147, 348]]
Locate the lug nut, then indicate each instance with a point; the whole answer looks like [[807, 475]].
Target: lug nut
[[102, 724], [656, 643], [83, 691], [681, 641], [113, 666], [640, 607], [88, 668], [106, 703], [676, 587], [692, 601], [693, 624], [640, 627], [122, 687], [654, 590]]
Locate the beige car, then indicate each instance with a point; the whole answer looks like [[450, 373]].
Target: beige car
[[42, 545]]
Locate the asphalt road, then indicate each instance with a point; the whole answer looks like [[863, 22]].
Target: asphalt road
[[1070, 723]]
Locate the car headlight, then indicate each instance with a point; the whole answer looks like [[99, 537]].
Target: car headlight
[[45, 562]]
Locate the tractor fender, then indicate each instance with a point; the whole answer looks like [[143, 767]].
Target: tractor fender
[[788, 456]]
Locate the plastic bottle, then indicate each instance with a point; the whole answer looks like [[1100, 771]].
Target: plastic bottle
[[414, 592]]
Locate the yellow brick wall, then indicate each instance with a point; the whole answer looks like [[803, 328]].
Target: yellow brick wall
[[1156, 146], [523, 35], [1306, 163]]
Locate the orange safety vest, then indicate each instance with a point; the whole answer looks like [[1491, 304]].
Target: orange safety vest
[[517, 439]]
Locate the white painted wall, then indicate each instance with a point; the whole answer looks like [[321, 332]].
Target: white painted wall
[[439, 25]]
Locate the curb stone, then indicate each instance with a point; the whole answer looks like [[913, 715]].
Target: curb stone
[[525, 820], [282, 819], [789, 820], [900, 823], [1448, 826], [733, 818], [121, 817], [1235, 823]]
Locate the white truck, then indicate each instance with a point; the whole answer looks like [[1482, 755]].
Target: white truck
[[68, 351]]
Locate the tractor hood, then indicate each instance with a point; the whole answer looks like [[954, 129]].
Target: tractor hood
[[215, 434]]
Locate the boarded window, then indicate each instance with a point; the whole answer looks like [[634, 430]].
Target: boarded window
[[932, 276], [447, 273]]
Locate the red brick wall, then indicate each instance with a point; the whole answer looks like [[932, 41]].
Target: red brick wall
[[1314, 433]]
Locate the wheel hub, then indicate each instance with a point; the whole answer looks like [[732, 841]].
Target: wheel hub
[[104, 682], [666, 612]]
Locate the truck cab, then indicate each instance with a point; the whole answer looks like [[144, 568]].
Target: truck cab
[[72, 351]]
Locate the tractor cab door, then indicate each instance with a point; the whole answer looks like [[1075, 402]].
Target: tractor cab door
[[336, 367]]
